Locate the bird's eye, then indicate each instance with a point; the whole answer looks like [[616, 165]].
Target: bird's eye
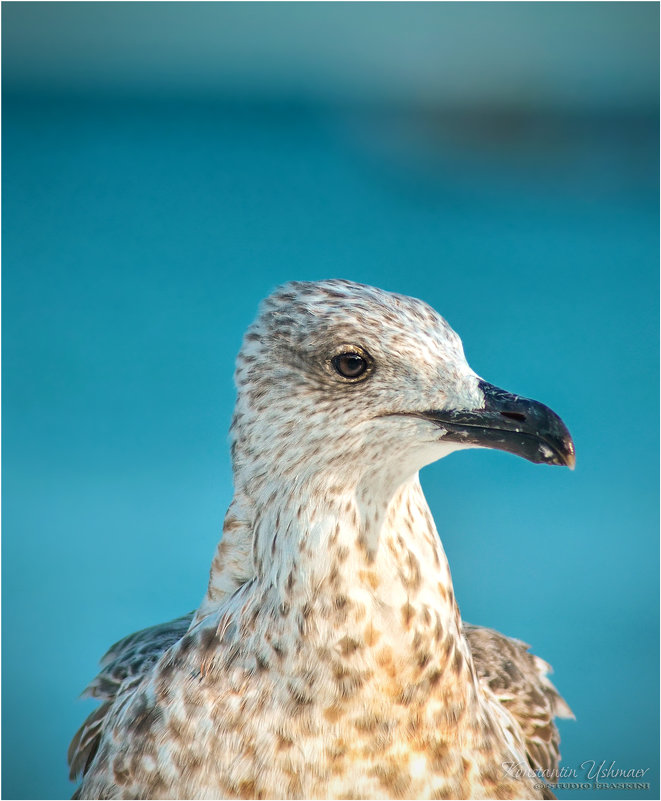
[[349, 365]]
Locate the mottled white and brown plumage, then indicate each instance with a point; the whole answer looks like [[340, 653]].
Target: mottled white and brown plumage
[[328, 658]]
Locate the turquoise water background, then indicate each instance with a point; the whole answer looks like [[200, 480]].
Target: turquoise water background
[[140, 230]]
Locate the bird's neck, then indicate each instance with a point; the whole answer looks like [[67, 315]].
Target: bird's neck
[[363, 570]]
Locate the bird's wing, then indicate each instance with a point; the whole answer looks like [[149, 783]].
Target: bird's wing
[[134, 655], [123, 666], [130, 659], [520, 682]]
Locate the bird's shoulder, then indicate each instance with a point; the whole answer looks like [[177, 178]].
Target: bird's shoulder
[[519, 681], [123, 667], [129, 661]]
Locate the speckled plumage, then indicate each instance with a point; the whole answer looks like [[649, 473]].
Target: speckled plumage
[[328, 658]]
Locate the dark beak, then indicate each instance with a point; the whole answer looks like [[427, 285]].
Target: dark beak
[[510, 423]]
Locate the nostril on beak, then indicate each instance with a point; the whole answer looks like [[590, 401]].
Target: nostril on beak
[[521, 418]]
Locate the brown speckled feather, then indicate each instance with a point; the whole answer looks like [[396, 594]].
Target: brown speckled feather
[[505, 665], [124, 664], [519, 681], [85, 742], [134, 655]]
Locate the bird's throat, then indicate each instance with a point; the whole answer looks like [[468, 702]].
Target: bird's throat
[[364, 578]]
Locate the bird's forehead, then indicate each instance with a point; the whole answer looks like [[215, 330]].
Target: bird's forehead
[[318, 312]]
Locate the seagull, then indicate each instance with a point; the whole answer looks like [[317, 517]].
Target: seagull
[[328, 658]]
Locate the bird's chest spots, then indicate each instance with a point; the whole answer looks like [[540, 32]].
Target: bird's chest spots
[[351, 722]]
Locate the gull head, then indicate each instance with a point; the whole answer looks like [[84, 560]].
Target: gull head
[[341, 378]]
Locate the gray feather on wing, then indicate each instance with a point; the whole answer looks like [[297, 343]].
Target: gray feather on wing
[[123, 665], [519, 681]]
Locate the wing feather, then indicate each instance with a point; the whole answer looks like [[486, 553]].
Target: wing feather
[[519, 680], [123, 665]]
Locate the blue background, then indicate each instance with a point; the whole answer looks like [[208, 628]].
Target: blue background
[[166, 166]]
